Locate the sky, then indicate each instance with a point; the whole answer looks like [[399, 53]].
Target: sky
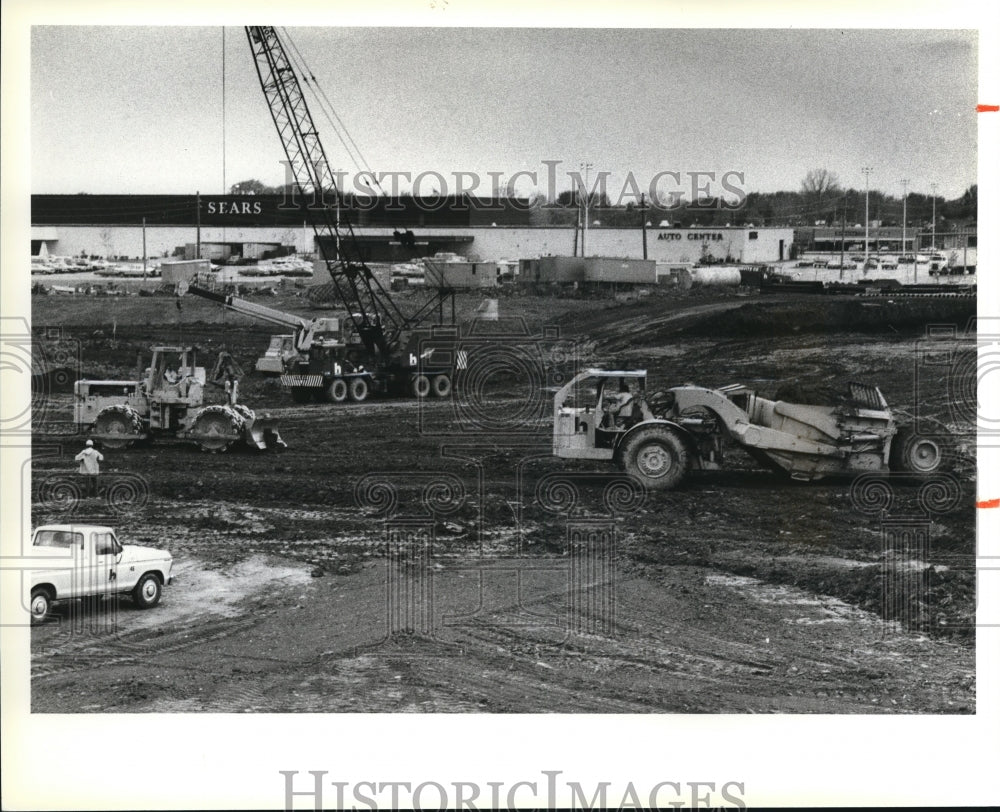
[[179, 109]]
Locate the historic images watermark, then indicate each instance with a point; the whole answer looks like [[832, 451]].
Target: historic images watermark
[[313, 790], [950, 365], [437, 535], [524, 188], [45, 363]]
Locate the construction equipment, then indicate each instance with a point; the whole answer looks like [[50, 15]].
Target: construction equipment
[[386, 350], [606, 415], [315, 344], [168, 401]]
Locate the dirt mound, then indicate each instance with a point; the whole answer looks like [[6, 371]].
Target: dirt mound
[[829, 315]]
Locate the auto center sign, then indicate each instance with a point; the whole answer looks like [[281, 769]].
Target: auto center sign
[[701, 236]]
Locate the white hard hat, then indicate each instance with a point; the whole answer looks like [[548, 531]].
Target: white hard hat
[[90, 442]]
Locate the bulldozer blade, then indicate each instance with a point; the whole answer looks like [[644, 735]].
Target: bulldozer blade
[[263, 434]]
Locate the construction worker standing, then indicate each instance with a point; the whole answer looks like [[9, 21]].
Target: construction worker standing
[[90, 469]]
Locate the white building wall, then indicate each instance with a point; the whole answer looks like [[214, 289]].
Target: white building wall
[[489, 243]]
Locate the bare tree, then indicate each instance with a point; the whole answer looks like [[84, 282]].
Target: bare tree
[[820, 184], [819, 187]]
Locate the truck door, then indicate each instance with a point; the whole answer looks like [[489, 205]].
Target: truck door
[[104, 553]]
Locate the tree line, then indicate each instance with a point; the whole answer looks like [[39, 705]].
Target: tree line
[[820, 200]]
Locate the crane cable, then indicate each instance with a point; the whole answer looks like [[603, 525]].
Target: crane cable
[[326, 106], [224, 189], [329, 112]]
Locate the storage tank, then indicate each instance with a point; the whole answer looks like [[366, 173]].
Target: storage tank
[[715, 276]]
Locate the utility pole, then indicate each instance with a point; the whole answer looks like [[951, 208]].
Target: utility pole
[[585, 167], [642, 214], [905, 182], [197, 215], [843, 227], [933, 217], [143, 247], [867, 171]]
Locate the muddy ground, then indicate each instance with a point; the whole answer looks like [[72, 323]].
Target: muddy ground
[[433, 556]]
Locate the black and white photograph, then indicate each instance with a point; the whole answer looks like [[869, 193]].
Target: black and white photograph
[[442, 407]]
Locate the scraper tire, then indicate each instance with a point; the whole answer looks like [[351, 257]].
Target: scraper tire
[[656, 456]]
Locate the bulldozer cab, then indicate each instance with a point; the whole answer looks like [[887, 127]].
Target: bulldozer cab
[[172, 378]]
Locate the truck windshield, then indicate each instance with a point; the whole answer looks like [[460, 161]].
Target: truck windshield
[[57, 538]]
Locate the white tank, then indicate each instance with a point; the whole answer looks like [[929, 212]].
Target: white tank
[[721, 277]]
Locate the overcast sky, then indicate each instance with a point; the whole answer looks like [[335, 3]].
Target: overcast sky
[[174, 110]]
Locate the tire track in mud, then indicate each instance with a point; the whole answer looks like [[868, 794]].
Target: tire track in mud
[[87, 655], [211, 608]]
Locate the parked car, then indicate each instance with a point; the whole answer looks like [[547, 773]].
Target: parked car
[[81, 560]]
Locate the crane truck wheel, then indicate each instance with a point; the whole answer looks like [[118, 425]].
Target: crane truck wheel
[[420, 386], [301, 394], [336, 391], [441, 386], [216, 428], [358, 390], [912, 453], [119, 425], [656, 456]]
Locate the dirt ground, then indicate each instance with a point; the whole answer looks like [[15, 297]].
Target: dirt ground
[[434, 556]]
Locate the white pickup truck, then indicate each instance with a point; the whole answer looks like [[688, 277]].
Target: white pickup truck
[[83, 560]]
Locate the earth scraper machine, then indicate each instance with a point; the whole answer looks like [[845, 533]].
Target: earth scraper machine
[[606, 415]]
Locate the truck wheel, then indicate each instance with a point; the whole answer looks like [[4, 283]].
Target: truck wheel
[[41, 602], [147, 592], [301, 394], [656, 456], [441, 386], [358, 390], [336, 391], [420, 386], [912, 453]]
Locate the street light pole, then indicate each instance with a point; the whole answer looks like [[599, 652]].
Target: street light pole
[[642, 214], [867, 171]]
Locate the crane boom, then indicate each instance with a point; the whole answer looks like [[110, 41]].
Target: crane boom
[[377, 319], [305, 331]]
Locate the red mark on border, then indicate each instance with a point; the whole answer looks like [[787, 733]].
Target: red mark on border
[[989, 503], [987, 108]]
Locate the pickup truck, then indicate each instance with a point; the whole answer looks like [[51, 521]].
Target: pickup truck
[[82, 560]]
